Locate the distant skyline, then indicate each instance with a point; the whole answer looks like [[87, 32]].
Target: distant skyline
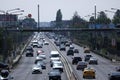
[[48, 8]]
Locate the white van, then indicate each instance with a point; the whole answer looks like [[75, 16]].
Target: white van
[[54, 55]]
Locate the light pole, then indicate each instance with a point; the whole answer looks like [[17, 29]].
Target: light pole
[[38, 16], [95, 47]]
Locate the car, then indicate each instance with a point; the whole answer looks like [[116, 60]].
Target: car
[[54, 62], [57, 43], [39, 52], [93, 60], [38, 59], [37, 45], [76, 51], [4, 66], [114, 76], [54, 75], [70, 52], [54, 55], [5, 75], [118, 68], [42, 55], [89, 73], [75, 60], [81, 65], [87, 57], [86, 50], [29, 48], [58, 65], [42, 64], [71, 47], [46, 43], [62, 47], [67, 44], [29, 54], [36, 69]]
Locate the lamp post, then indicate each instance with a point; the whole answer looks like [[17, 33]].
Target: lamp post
[[95, 47]]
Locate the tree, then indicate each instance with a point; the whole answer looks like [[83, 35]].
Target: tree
[[92, 19], [29, 22], [116, 18], [77, 21], [102, 18], [59, 18]]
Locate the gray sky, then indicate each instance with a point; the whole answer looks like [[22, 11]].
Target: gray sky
[[48, 8]]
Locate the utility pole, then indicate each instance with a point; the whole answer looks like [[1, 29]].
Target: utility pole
[[38, 17], [95, 31]]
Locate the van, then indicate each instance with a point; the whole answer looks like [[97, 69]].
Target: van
[[54, 55]]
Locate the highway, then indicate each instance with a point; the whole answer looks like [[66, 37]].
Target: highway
[[103, 68], [23, 71]]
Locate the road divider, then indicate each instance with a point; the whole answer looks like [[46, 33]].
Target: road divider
[[69, 71]]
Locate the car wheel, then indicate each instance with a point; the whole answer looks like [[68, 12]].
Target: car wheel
[[93, 77], [83, 76]]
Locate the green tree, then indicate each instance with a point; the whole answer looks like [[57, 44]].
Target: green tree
[[77, 21], [92, 19], [29, 22], [116, 18], [59, 18], [102, 18]]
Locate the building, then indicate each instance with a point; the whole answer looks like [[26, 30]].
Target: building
[[8, 20]]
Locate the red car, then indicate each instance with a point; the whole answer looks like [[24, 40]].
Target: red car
[[39, 52]]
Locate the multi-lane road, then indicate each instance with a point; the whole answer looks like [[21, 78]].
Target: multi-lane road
[[23, 71]]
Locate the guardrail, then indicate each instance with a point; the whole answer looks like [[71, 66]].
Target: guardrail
[[70, 74]]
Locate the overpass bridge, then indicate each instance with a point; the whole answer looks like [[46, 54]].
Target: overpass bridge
[[52, 29]]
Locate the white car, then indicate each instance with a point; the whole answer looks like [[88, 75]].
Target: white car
[[55, 62], [36, 69], [46, 43], [58, 65], [54, 55], [71, 47], [42, 55], [93, 60], [38, 59]]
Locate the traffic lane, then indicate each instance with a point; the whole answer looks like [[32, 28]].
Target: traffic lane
[[49, 49], [99, 73], [24, 70], [103, 68], [101, 61]]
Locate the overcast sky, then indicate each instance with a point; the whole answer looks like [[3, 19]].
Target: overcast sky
[[48, 8]]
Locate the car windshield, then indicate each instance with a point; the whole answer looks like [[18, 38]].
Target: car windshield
[[55, 55]]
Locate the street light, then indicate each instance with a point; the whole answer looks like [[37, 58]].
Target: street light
[[17, 11], [109, 11], [12, 10], [114, 9]]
